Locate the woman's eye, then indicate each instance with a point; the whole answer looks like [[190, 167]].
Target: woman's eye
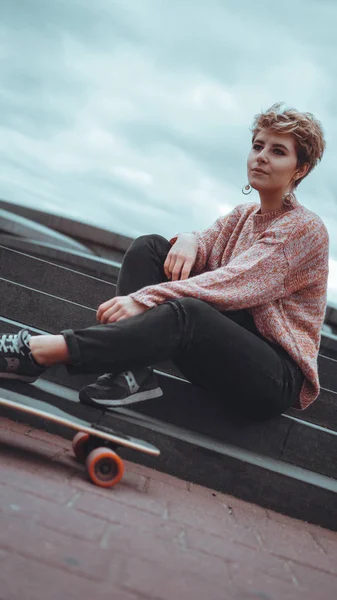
[[258, 146]]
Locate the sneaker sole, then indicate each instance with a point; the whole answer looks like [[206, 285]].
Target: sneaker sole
[[18, 377], [138, 397]]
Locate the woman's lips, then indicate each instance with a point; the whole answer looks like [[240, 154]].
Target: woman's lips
[[259, 171]]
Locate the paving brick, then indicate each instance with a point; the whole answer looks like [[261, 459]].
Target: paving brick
[[44, 436], [35, 482], [25, 453], [327, 543], [65, 520], [204, 503], [156, 475], [248, 514], [151, 537], [298, 545], [232, 503], [314, 584], [179, 579], [235, 553], [115, 512], [229, 531], [302, 525], [160, 543], [130, 491], [218, 545], [218, 524], [26, 579], [252, 585], [8, 424], [31, 540], [319, 532], [23, 442]]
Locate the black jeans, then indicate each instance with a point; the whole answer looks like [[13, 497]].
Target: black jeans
[[223, 352]]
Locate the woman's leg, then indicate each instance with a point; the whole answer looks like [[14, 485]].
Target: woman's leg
[[143, 264], [213, 351], [251, 376]]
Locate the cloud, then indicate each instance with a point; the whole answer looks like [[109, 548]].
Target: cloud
[[136, 115]]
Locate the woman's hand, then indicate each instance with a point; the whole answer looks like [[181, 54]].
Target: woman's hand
[[118, 308], [181, 257]]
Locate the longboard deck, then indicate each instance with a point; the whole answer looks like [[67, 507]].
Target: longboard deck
[[92, 429]]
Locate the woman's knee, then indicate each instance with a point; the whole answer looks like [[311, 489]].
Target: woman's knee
[[149, 240], [194, 304], [194, 312]]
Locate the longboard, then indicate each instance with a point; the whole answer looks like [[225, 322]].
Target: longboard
[[94, 445]]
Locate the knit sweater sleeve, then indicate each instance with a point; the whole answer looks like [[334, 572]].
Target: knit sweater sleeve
[[277, 265], [254, 277], [206, 239]]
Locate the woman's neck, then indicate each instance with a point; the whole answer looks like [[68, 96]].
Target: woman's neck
[[270, 202]]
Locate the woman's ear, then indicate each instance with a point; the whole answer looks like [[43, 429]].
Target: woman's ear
[[302, 171]]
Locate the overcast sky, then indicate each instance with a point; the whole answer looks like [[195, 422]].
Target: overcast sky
[[134, 114]]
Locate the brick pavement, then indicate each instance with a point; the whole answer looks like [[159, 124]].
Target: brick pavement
[[152, 537]]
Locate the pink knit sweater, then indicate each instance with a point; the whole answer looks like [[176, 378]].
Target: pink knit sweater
[[276, 266]]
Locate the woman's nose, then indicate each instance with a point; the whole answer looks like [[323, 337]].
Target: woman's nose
[[262, 156]]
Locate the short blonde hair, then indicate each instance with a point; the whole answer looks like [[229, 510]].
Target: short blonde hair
[[307, 131]]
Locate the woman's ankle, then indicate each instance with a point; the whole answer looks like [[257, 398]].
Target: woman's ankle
[[48, 350]]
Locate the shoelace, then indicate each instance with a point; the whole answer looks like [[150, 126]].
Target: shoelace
[[112, 376], [109, 376], [9, 344]]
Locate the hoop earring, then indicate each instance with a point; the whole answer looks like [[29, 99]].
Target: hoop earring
[[247, 188], [288, 198]]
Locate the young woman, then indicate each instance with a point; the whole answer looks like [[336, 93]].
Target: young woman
[[238, 308]]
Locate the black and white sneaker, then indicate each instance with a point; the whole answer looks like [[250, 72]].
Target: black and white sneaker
[[110, 391], [16, 360]]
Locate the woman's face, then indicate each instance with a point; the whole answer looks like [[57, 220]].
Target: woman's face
[[275, 154]]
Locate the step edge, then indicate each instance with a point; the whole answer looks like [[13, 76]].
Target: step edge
[[274, 465]]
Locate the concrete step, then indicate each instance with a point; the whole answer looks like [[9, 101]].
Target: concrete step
[[322, 412], [75, 229], [42, 310], [78, 287], [80, 263], [95, 266], [328, 345], [54, 280], [90, 292], [186, 405], [222, 465], [51, 314], [21, 227], [70, 299], [109, 257]]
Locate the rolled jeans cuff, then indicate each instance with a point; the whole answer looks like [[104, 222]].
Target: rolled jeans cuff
[[73, 349]]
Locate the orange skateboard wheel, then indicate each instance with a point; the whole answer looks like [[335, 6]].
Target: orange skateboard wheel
[[105, 468], [79, 445]]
